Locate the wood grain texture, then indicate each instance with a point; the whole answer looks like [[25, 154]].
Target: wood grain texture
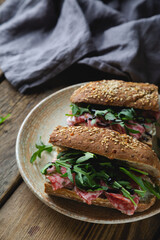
[[1, 76], [1, 1], [25, 217], [18, 105], [1, 72]]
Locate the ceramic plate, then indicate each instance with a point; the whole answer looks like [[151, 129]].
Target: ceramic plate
[[40, 122]]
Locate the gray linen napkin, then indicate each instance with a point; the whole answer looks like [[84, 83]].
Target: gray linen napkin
[[40, 39]]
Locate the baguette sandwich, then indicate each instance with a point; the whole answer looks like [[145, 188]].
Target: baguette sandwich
[[126, 107], [102, 167]]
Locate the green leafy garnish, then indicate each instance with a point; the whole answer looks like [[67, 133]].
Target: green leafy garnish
[[87, 156], [139, 171], [122, 117], [128, 130], [77, 111], [100, 112], [154, 190], [110, 116], [41, 148], [2, 119], [136, 179], [140, 193], [124, 191], [90, 170], [127, 114], [48, 165]]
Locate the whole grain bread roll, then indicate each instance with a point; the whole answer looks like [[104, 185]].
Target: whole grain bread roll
[[118, 93], [71, 194], [108, 143]]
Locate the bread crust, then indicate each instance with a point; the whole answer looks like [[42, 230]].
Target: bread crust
[[108, 143], [148, 142], [70, 194], [118, 93]]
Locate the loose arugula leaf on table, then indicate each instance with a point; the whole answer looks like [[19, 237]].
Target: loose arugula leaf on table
[[41, 148], [2, 119]]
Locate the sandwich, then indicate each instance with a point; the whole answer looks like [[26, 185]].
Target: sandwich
[[99, 166], [127, 107]]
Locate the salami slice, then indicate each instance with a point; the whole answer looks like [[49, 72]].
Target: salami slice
[[72, 120], [87, 197], [122, 203], [58, 182]]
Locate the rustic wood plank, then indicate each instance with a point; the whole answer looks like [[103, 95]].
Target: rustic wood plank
[[1, 1], [24, 217], [1, 76], [1, 73], [18, 105]]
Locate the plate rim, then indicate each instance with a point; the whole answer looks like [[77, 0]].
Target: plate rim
[[53, 206]]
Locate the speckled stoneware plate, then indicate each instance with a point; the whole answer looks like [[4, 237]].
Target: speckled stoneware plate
[[40, 122]]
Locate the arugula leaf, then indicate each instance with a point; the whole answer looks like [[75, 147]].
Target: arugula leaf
[[87, 156], [63, 164], [139, 171], [2, 119], [124, 191], [88, 175], [130, 130], [125, 183], [122, 124], [77, 169], [93, 121], [127, 114], [44, 169], [154, 190], [69, 174], [138, 180], [110, 116], [41, 148], [77, 111], [140, 193], [80, 177], [106, 164], [61, 154], [100, 112], [72, 154]]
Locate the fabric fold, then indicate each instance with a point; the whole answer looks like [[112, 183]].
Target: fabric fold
[[41, 39]]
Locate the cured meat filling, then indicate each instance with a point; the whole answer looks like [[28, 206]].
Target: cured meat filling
[[119, 202], [142, 127], [92, 176]]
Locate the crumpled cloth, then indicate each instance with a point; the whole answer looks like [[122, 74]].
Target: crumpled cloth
[[40, 39]]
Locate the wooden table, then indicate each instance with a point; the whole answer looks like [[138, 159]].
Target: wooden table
[[23, 216]]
